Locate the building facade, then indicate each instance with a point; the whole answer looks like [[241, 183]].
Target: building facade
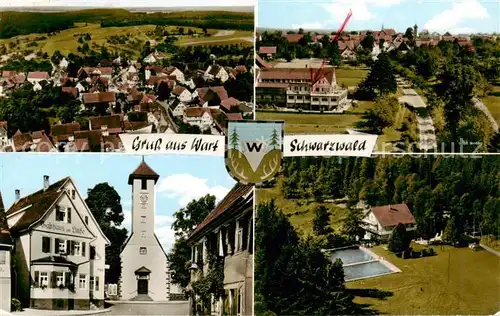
[[224, 240], [145, 274], [300, 88], [380, 221], [59, 249], [6, 246]]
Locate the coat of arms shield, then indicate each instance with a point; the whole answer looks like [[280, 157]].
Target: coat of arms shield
[[254, 150]]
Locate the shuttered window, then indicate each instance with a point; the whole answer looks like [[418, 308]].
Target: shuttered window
[[46, 244]]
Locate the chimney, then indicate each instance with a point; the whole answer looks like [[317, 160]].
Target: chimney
[[18, 195], [45, 182]]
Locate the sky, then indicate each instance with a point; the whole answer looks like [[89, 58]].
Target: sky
[[182, 179], [126, 3], [465, 16]]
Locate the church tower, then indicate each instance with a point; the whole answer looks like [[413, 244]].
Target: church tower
[[144, 275], [415, 31]]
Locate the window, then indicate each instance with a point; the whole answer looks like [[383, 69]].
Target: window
[[91, 283], [60, 246], [46, 244], [143, 219], [239, 246], [86, 220], [92, 252], [97, 283], [83, 249], [44, 279], [144, 184], [143, 250], [143, 234], [60, 278], [3, 257], [82, 281], [60, 214], [77, 249], [68, 214], [73, 194]]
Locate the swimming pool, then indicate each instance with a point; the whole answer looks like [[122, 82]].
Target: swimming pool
[[361, 264]]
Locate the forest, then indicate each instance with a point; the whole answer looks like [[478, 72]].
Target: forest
[[437, 189], [23, 23]]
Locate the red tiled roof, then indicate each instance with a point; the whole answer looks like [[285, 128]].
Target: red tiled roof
[[229, 103], [70, 90], [294, 73], [38, 75], [3, 124], [7, 74], [267, 50], [232, 199], [293, 38], [143, 171], [392, 215], [262, 62], [234, 116], [113, 123], [196, 111], [178, 90], [61, 132], [148, 98], [37, 205], [279, 85], [101, 97]]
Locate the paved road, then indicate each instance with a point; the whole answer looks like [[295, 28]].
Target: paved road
[[480, 105], [157, 309]]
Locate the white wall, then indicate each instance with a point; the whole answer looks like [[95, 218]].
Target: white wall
[[5, 281]]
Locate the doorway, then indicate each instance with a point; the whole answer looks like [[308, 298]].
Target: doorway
[[71, 304], [142, 286]]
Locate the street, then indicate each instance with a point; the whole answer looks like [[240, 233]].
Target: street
[[157, 309]]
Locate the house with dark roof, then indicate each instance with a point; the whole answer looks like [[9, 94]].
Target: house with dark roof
[[99, 100], [216, 72], [108, 124], [36, 141], [226, 236], [6, 246], [62, 134], [59, 248], [145, 274], [380, 221]]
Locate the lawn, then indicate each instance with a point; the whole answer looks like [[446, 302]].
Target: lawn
[[66, 42], [492, 102], [350, 76], [455, 281], [238, 37], [300, 212]]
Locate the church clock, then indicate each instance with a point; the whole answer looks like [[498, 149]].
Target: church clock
[[143, 198]]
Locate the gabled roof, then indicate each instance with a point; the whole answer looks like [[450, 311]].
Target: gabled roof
[[229, 103], [142, 270], [101, 97], [392, 215], [232, 199], [143, 171], [70, 90], [61, 132], [5, 238], [38, 75], [38, 203], [112, 122], [293, 38], [179, 90], [267, 50]]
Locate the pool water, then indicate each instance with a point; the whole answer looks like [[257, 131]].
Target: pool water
[[359, 264], [349, 256], [365, 270]]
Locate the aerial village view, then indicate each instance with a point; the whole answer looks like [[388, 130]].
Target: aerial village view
[[422, 83], [72, 80]]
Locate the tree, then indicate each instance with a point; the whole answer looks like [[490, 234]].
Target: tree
[[56, 57], [451, 233], [104, 203], [352, 225], [185, 221], [181, 30], [409, 34], [399, 240], [235, 139], [380, 81], [274, 139], [164, 91], [383, 114], [368, 42], [321, 221], [295, 277]]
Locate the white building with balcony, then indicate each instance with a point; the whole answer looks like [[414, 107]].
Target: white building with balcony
[[380, 221], [301, 88], [59, 249]]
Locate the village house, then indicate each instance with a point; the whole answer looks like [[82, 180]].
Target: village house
[[182, 94], [6, 246], [292, 87], [145, 273], [201, 117], [72, 91], [178, 108], [267, 51], [59, 249], [216, 72], [108, 124], [103, 100], [211, 96], [230, 105], [174, 71], [63, 64], [63, 135], [4, 137], [37, 76], [380, 221], [225, 237], [31, 142]]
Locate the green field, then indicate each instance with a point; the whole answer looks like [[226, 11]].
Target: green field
[[455, 281], [301, 213], [492, 101], [66, 42], [350, 76]]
